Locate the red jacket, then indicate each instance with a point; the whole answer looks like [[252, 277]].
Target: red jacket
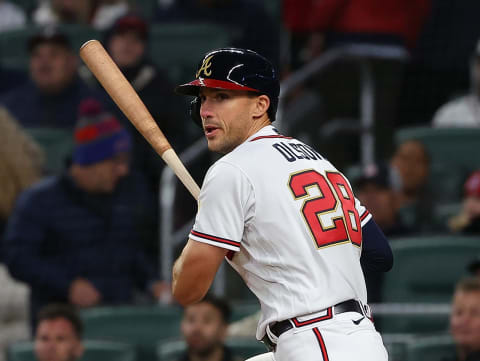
[[403, 18]]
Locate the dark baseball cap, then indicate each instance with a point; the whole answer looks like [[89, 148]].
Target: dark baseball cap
[[131, 22], [50, 34], [377, 174]]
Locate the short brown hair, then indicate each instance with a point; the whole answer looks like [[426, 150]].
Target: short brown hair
[[469, 284], [60, 310]]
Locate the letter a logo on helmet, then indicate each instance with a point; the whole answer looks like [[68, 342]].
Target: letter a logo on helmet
[[206, 64], [233, 69]]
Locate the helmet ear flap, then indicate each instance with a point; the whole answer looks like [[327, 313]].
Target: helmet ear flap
[[195, 111]]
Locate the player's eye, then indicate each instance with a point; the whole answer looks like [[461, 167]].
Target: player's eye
[[222, 96], [202, 98]]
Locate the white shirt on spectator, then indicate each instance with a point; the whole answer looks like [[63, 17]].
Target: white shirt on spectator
[[463, 112]]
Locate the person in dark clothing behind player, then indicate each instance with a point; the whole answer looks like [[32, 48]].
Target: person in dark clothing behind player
[[80, 237]]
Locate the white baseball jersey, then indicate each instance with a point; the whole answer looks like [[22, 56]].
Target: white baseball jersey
[[291, 223]]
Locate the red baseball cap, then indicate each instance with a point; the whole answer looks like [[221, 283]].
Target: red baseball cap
[[472, 185]]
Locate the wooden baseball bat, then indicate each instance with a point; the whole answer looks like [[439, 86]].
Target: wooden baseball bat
[[117, 86]]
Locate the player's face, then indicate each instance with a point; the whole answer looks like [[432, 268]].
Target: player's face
[[465, 319], [226, 117], [51, 67], [56, 340], [203, 328]]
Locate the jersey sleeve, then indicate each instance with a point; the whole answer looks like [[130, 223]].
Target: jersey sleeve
[[363, 213], [225, 206]]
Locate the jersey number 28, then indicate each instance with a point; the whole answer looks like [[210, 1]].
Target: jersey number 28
[[334, 192]]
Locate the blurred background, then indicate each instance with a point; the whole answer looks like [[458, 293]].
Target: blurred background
[[387, 90]]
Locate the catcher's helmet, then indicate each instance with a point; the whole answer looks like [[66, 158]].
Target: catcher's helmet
[[234, 69]]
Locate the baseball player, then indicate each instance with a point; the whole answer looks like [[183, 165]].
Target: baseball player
[[283, 216]]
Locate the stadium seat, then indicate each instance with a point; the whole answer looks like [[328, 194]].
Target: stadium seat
[[176, 48], [245, 347], [13, 44], [57, 145], [426, 269], [431, 348], [142, 326], [94, 351], [445, 145]]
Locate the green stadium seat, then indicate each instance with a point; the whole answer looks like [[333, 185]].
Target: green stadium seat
[[13, 44], [142, 326], [170, 350], [94, 351], [57, 145], [431, 348], [177, 47], [426, 269], [446, 145]]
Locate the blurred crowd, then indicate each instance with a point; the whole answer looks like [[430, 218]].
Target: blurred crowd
[[87, 232]]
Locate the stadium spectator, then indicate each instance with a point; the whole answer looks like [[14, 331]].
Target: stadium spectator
[[376, 189], [53, 12], [246, 20], [463, 112], [413, 200], [100, 14], [465, 320], [21, 161], [14, 320], [52, 96], [11, 16], [468, 220], [10, 78], [327, 24], [391, 26], [127, 44], [58, 336], [204, 328], [81, 236]]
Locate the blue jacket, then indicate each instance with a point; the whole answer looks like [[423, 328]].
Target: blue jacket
[[32, 108], [58, 232]]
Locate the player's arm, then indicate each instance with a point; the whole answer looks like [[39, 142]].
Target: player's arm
[[194, 271], [376, 252]]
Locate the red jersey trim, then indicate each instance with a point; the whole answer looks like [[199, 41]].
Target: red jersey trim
[[269, 137], [215, 239]]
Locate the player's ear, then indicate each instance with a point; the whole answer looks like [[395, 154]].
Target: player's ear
[[262, 102]]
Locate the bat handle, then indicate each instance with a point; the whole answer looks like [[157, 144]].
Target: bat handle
[[170, 157]]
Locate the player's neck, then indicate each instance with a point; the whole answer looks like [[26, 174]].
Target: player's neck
[[258, 124]]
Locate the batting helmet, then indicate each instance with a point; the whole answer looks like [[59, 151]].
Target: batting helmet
[[234, 69]]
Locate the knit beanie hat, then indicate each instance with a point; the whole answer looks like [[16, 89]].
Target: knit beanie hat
[[98, 134]]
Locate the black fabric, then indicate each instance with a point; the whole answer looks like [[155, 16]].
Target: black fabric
[[346, 306]]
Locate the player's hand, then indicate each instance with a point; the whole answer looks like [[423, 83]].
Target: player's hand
[[162, 291], [83, 293]]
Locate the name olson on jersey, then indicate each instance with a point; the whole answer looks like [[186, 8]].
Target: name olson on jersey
[[295, 151]]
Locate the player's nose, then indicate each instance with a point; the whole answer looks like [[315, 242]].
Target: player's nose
[[206, 109]]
